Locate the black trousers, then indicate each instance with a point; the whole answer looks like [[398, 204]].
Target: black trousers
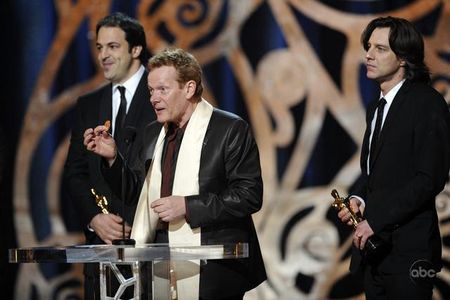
[[379, 286], [91, 287]]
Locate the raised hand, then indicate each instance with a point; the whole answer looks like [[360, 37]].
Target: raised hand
[[100, 141]]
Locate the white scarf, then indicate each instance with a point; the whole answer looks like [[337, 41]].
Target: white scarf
[[185, 183]]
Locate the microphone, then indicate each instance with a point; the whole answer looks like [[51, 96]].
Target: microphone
[[128, 134]]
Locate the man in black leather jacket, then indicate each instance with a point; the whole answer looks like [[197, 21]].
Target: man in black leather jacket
[[204, 165]]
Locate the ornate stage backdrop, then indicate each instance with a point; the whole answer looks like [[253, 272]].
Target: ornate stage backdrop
[[292, 68]]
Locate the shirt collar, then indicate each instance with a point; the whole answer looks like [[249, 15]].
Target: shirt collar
[[389, 97], [132, 83]]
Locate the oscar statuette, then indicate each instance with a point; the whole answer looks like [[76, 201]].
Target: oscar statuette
[[101, 201], [375, 247]]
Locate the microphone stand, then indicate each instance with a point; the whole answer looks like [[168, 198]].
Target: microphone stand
[[129, 134]]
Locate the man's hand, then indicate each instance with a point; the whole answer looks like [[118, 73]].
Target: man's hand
[[170, 208], [362, 232], [109, 227], [99, 141], [356, 206]]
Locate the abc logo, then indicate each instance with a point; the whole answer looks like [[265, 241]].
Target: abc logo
[[422, 272]]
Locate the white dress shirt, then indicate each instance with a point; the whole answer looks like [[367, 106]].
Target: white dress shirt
[[130, 88], [389, 97]]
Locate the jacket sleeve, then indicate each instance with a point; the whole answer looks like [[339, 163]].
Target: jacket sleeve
[[237, 193], [76, 172]]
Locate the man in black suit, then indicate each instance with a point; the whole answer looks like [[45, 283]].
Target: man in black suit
[[204, 182], [122, 54], [405, 164]]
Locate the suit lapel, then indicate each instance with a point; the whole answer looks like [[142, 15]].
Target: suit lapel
[[140, 99], [391, 116], [151, 137], [105, 112], [365, 145]]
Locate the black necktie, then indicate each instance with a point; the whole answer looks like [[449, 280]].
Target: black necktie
[[377, 129], [120, 118]]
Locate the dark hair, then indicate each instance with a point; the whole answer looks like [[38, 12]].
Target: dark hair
[[187, 66], [406, 42], [134, 32]]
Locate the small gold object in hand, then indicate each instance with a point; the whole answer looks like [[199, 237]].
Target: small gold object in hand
[[101, 201], [341, 203]]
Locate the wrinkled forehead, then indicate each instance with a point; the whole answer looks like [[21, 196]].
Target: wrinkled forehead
[[162, 75]]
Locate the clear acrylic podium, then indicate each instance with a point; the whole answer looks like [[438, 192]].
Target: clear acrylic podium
[[112, 257]]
